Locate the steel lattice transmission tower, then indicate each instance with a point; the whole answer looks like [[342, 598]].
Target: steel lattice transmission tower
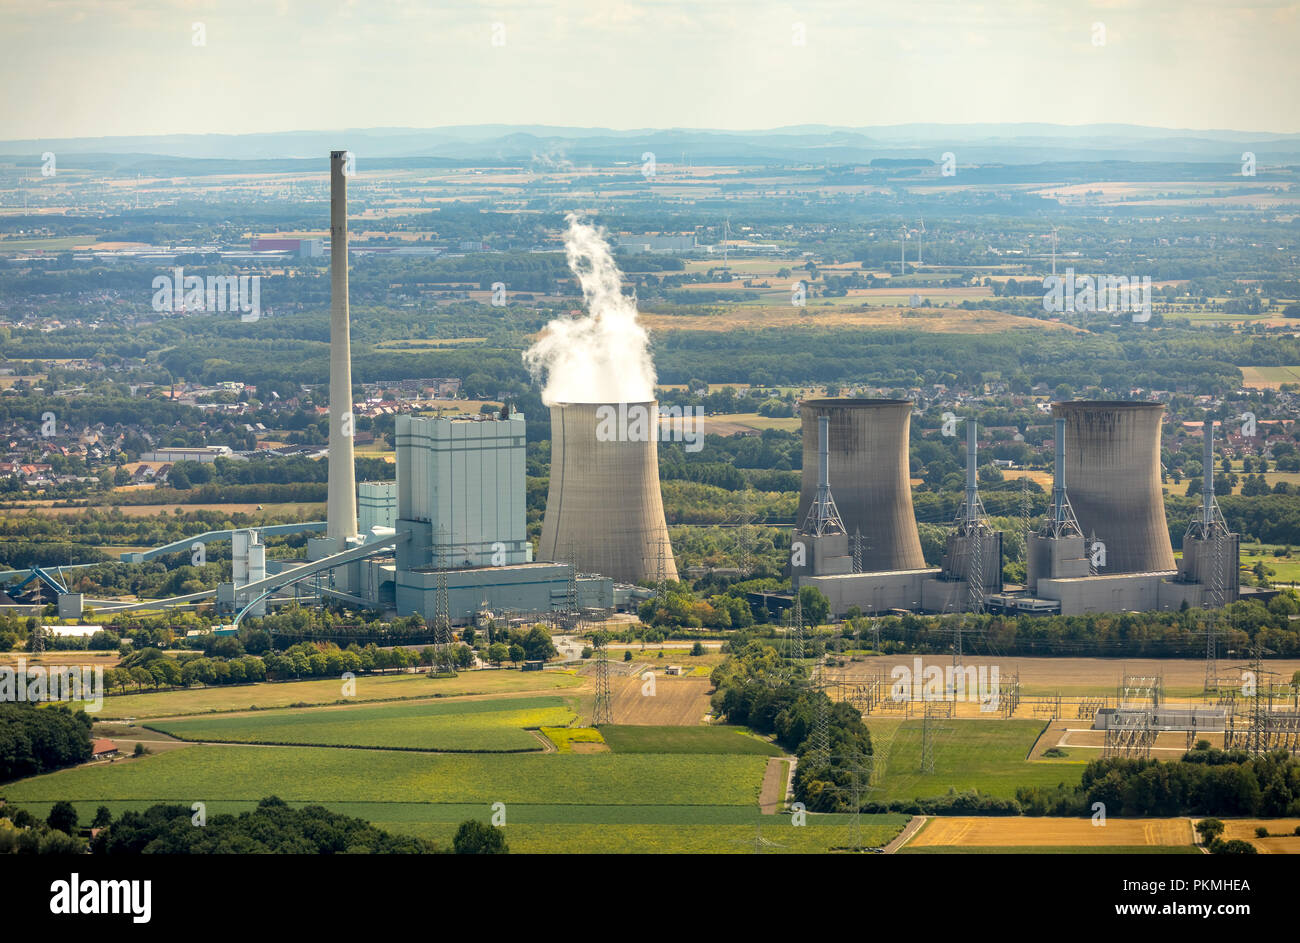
[[1060, 520], [573, 611], [442, 601], [796, 631], [744, 547], [1211, 529], [1024, 518], [823, 518], [971, 526], [820, 750], [603, 709]]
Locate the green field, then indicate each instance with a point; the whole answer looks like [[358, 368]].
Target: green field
[[1281, 569], [718, 740], [988, 755], [593, 828], [496, 725], [565, 737], [325, 774], [242, 697]]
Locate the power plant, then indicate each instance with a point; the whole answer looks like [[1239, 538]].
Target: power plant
[[873, 561], [604, 507], [1112, 464], [448, 539], [1104, 546], [868, 467]]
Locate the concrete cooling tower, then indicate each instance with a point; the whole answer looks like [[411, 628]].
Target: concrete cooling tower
[[604, 505], [1112, 471], [870, 473]]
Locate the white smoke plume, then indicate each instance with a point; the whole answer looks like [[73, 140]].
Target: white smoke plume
[[604, 356]]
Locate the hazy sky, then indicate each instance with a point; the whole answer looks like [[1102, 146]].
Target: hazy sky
[[106, 67]]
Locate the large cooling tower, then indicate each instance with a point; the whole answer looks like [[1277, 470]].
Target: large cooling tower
[[1112, 474], [604, 506], [869, 474]]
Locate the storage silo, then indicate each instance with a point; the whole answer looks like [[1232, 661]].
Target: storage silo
[[1112, 464], [869, 466], [604, 506]]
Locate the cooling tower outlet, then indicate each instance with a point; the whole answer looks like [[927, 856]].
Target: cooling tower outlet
[[870, 475], [1112, 471], [604, 506]]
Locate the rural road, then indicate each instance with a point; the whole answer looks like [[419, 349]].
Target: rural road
[[912, 828]]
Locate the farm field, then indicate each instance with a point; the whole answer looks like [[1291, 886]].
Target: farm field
[[1269, 378], [591, 828], [496, 725], [676, 701], [1031, 833], [1051, 850], [324, 774], [777, 837], [1281, 839], [554, 802], [732, 423], [713, 740], [242, 697], [1183, 677], [986, 755], [575, 739], [934, 320]]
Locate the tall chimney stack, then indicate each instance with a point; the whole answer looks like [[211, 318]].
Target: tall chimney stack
[[972, 459], [1207, 471], [341, 503]]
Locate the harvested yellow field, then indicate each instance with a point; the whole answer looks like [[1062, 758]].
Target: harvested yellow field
[[930, 320], [1021, 831], [1041, 478], [1281, 840]]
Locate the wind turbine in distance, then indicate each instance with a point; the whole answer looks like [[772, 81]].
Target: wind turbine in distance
[[920, 241], [904, 235], [1054, 231]]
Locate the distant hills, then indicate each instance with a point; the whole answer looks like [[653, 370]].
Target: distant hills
[[560, 147]]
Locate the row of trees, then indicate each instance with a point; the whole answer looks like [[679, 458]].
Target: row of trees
[[1206, 781], [758, 688]]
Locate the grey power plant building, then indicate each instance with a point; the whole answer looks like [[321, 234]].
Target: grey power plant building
[[1112, 470], [1104, 545], [869, 473], [604, 506], [461, 528], [870, 555]]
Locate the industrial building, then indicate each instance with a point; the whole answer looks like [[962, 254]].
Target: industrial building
[[448, 539], [376, 505], [460, 525], [1103, 546], [868, 467], [863, 550]]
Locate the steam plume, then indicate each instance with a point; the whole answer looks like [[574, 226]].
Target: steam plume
[[603, 357]]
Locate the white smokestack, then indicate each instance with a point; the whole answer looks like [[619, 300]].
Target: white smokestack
[[341, 492], [603, 357]]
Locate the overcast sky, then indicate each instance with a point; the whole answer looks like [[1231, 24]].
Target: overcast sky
[[76, 68]]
